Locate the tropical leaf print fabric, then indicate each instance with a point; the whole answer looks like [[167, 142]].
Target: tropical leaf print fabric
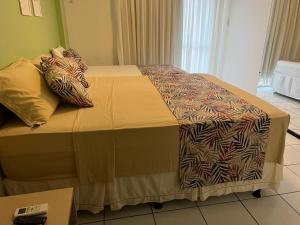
[[67, 87], [222, 137], [159, 70], [68, 64], [71, 53]]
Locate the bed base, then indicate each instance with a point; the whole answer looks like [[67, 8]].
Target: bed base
[[256, 194], [157, 205]]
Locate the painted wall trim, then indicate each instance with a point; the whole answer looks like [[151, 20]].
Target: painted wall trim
[[62, 24]]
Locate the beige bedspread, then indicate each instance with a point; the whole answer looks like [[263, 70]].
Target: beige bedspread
[[279, 121], [130, 131], [46, 151]]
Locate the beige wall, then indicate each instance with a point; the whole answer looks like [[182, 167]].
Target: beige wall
[[89, 28], [246, 42]]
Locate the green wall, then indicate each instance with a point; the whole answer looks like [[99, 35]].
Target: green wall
[[28, 36]]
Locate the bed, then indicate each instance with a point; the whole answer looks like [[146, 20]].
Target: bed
[[140, 146], [286, 79]]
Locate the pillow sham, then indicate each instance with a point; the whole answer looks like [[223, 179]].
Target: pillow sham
[[58, 52], [24, 92], [68, 64], [67, 87], [71, 53]]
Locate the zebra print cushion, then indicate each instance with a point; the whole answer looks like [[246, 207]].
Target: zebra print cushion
[[71, 53], [67, 87], [68, 64]]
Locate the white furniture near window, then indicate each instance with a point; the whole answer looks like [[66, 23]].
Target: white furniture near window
[[286, 80]]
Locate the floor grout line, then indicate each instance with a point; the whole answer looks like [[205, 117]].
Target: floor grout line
[[91, 222], [249, 213], [153, 214], [292, 172], [94, 221], [291, 192], [266, 196], [289, 204], [294, 164], [118, 218], [219, 203], [104, 215], [202, 215], [170, 210]]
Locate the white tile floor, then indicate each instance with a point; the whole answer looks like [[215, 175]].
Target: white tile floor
[[292, 106], [274, 208]]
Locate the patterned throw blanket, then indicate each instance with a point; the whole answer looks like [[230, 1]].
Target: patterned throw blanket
[[222, 137]]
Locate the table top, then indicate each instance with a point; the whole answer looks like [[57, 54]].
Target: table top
[[59, 205]]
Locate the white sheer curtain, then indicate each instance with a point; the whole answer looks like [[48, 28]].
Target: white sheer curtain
[[204, 30], [187, 33]]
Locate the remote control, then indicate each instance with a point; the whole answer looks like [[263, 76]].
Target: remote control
[[30, 220], [32, 210]]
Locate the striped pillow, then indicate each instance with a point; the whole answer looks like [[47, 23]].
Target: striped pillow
[[68, 64], [71, 53], [67, 87]]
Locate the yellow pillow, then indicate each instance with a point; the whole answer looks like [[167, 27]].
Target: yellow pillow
[[24, 91]]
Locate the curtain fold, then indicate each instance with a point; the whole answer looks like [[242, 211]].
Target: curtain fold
[[283, 40], [204, 30], [148, 31], [187, 33]]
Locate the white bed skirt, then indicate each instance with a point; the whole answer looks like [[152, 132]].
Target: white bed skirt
[[142, 189]]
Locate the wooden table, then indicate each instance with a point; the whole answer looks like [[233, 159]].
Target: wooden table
[[60, 206]]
